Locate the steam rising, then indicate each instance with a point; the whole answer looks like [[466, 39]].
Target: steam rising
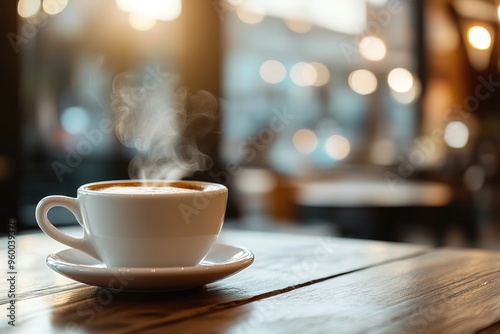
[[164, 122]]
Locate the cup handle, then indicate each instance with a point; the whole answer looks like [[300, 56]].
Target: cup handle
[[71, 204]]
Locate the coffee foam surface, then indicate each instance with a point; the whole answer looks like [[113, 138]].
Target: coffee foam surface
[[144, 190]]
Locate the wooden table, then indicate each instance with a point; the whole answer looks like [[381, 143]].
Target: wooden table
[[297, 284], [372, 193]]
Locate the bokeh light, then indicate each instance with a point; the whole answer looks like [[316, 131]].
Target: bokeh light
[[28, 8], [400, 80], [75, 120], [305, 141], [372, 48], [337, 147], [303, 74], [322, 74], [363, 82], [53, 7], [479, 37], [456, 134], [272, 71], [410, 96]]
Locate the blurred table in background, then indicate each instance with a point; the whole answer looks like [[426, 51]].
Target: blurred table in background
[[372, 193], [381, 206]]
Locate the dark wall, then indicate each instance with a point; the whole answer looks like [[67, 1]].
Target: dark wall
[[9, 113]]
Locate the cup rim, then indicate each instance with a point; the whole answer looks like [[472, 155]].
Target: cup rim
[[203, 186]]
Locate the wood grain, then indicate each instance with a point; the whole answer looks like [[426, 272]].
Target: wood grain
[[283, 263], [446, 291]]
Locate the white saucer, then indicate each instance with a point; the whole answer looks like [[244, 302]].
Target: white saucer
[[222, 261]]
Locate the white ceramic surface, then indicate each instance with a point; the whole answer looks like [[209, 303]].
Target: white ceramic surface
[[222, 261], [146, 229]]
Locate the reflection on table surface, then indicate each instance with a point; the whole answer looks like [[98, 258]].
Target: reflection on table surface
[[296, 284]]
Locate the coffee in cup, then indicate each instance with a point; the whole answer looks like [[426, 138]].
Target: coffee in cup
[[142, 223]]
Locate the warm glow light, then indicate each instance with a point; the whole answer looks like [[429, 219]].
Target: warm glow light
[[337, 147], [305, 141], [140, 22], [400, 80], [363, 82], [53, 7], [303, 74], [456, 134], [322, 74], [372, 48], [250, 13], [409, 96], [498, 12], [28, 8], [444, 37], [299, 26], [272, 71], [479, 37], [165, 10]]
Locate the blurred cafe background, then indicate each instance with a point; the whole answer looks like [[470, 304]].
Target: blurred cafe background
[[375, 119]]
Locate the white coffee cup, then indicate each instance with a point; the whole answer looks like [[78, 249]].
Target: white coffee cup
[[142, 223]]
